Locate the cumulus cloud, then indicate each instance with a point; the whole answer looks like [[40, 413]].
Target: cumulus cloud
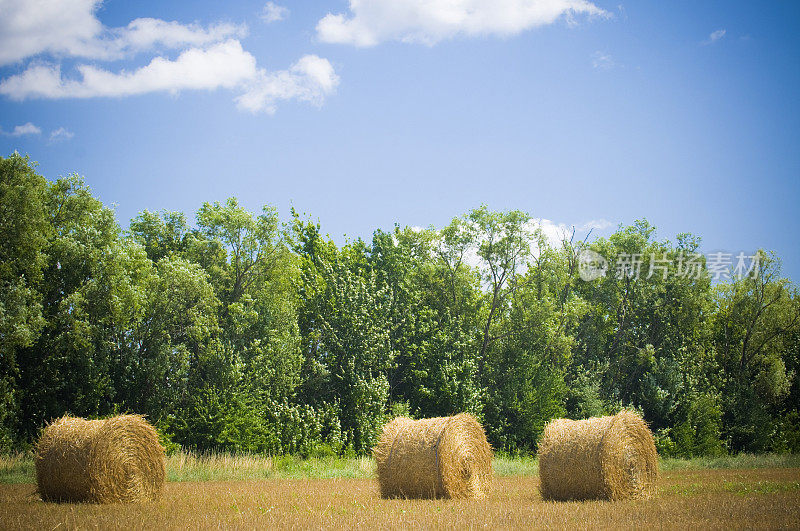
[[70, 28], [145, 33], [22, 130], [61, 134], [310, 79], [554, 234], [223, 65], [208, 58], [370, 22], [30, 27], [272, 12]]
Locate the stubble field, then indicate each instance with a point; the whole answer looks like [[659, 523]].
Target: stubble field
[[731, 498]]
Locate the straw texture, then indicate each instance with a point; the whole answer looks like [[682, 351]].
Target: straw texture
[[598, 458], [443, 457], [118, 459]]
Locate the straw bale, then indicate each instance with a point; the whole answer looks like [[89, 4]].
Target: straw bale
[[598, 458], [443, 457], [118, 459]]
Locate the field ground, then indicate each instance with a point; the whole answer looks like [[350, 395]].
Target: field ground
[[704, 493], [723, 498]]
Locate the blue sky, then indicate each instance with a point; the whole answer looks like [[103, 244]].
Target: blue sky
[[411, 112]]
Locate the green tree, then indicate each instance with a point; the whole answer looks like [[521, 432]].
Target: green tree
[[161, 234], [356, 352], [644, 336], [756, 320], [252, 243], [66, 369], [174, 343], [532, 350], [24, 233], [431, 309], [503, 244]]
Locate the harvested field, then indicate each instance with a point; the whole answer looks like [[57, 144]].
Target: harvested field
[[763, 498]]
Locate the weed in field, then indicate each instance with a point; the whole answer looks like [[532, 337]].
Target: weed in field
[[187, 466], [17, 468], [742, 461]]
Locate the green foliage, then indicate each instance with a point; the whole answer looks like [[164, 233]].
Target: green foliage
[[755, 337], [356, 352], [161, 235], [698, 434], [239, 335], [788, 439], [24, 231], [432, 310]]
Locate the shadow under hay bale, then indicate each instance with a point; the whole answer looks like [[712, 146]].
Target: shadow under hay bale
[[100, 461], [443, 457], [609, 458]]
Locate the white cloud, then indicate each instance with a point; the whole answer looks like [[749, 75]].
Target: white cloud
[[146, 33], [61, 134], [715, 36], [554, 234], [309, 79], [272, 12], [596, 224], [370, 22], [603, 61], [223, 65], [22, 130], [26, 129], [210, 57], [70, 28], [29, 27]]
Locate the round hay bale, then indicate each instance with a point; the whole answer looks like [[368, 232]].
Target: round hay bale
[[118, 459], [609, 458], [443, 457]]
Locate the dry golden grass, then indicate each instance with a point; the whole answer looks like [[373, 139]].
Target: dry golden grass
[[442, 457], [716, 499]]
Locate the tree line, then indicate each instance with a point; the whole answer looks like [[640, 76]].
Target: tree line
[[236, 332]]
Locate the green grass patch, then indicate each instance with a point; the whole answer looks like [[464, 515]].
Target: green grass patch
[[761, 487], [515, 466], [740, 488], [732, 461], [187, 466], [17, 468], [223, 467]]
